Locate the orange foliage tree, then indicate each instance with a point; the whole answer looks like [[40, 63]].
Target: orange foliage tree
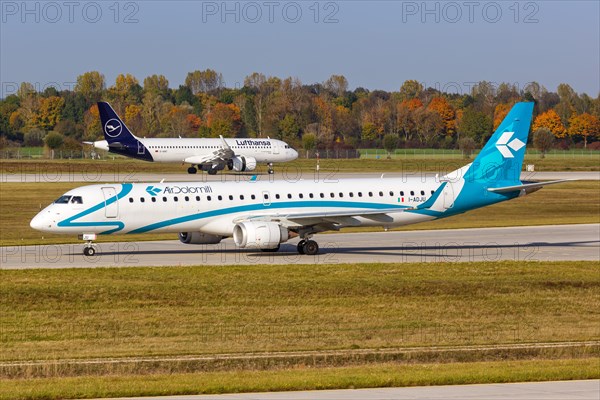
[[585, 125], [446, 112], [500, 113], [551, 121]]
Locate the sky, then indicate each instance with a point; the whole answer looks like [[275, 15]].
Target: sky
[[374, 44]]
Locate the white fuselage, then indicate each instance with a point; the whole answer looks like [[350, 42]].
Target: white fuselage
[[171, 150], [215, 207]]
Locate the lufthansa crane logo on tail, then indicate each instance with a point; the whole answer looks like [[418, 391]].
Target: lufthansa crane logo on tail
[[505, 145], [113, 127]]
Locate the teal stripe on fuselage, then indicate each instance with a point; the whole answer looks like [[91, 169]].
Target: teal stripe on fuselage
[[261, 206], [66, 223]]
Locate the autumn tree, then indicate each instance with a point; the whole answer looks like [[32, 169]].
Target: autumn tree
[[224, 119], [410, 89], [551, 121], [336, 84], [204, 81], [157, 85], [446, 112], [584, 125], [49, 112], [90, 85], [500, 113], [543, 140]]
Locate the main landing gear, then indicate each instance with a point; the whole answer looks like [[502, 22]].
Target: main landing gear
[[308, 247], [192, 170]]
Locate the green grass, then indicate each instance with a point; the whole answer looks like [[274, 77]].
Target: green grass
[[567, 203], [74, 313], [386, 375]]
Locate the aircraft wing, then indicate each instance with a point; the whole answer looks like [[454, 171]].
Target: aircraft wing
[[219, 156], [332, 218]]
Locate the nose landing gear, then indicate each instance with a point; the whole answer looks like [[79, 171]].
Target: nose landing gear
[[89, 249]]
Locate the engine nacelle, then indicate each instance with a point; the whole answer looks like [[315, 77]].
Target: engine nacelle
[[259, 235], [242, 163], [198, 238]]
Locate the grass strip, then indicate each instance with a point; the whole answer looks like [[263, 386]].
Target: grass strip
[[369, 376]]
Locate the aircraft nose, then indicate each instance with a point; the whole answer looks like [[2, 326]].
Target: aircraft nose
[[39, 222], [294, 154]]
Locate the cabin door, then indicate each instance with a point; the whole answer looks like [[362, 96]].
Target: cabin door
[[111, 205]]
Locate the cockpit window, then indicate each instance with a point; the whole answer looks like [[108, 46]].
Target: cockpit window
[[76, 200], [62, 200]]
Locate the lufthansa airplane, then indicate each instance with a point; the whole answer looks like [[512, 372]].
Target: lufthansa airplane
[[264, 214], [210, 155]]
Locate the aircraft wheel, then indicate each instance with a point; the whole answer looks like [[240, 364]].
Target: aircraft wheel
[[89, 251], [310, 248], [212, 171], [301, 246], [192, 170]]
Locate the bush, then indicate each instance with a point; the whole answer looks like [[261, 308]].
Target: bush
[[54, 140], [34, 137]]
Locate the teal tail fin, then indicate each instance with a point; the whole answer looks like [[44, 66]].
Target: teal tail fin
[[501, 160]]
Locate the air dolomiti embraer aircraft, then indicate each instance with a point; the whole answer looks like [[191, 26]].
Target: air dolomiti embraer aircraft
[[210, 155], [262, 215]]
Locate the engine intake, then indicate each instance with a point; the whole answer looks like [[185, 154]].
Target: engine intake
[[198, 238], [259, 235]]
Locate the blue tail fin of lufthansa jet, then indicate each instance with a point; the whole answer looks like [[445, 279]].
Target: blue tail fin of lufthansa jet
[[120, 139]]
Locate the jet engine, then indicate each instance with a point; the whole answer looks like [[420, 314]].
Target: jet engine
[[198, 238], [242, 163], [259, 235]]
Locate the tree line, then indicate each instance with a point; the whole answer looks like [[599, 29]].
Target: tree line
[[323, 115]]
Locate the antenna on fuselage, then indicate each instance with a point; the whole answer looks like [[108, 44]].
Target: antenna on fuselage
[[162, 180]]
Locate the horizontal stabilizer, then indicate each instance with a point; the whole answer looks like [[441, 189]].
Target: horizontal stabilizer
[[527, 187]]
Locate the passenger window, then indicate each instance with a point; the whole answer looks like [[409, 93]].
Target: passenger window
[[142, 199], [402, 193], [332, 195], [322, 195], [422, 193], [370, 194], [351, 194], [241, 197], [208, 198], [380, 194], [175, 198], [391, 193], [266, 196], [412, 193], [311, 195], [197, 198], [131, 199], [187, 198], [301, 195], [359, 194], [253, 197], [341, 194], [432, 192], [154, 199], [277, 196], [289, 196], [219, 197], [165, 199], [230, 197]]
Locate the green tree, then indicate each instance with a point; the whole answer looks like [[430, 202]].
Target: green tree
[[390, 143], [410, 89], [53, 141], [309, 141], [475, 124], [289, 128], [543, 140]]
